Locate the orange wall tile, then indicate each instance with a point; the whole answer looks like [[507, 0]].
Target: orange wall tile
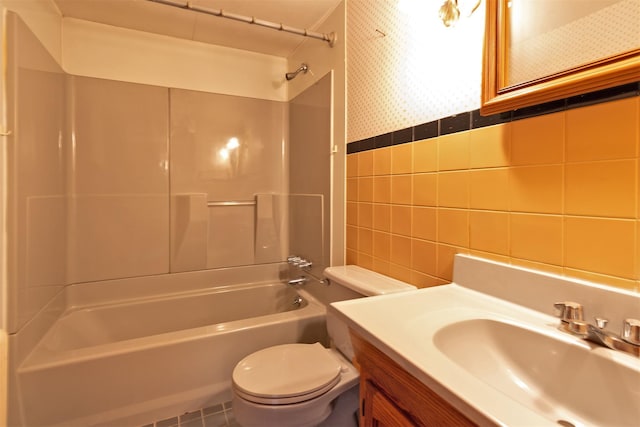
[[381, 245], [490, 146], [453, 151], [401, 189], [424, 257], [601, 188], [400, 251], [453, 189], [382, 189], [352, 213], [381, 161], [352, 166], [601, 245], [401, 220], [402, 158], [536, 189], [489, 231], [425, 189], [603, 131], [425, 155], [424, 223], [365, 215], [559, 193], [453, 226], [365, 189], [538, 140], [536, 238], [489, 189], [365, 163], [382, 217]]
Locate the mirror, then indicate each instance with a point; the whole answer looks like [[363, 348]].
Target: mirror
[[538, 51]]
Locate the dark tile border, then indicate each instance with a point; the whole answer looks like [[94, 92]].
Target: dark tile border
[[402, 136], [426, 130], [384, 140], [473, 120], [454, 124]]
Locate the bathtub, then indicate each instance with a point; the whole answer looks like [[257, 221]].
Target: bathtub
[[135, 361]]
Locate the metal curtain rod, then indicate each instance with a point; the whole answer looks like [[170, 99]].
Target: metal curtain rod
[[330, 38]]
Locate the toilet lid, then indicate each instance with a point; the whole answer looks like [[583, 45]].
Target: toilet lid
[[291, 372]]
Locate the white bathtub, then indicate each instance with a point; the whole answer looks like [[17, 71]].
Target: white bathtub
[[130, 362]]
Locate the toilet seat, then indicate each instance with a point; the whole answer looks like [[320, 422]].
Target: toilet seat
[[286, 374]]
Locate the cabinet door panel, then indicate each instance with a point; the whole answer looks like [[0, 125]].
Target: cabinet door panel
[[380, 411]]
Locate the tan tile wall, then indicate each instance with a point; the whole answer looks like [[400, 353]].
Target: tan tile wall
[[559, 193]]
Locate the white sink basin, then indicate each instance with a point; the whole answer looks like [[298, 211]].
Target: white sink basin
[[489, 345], [557, 378]]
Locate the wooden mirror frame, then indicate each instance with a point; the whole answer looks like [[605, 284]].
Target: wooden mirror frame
[[496, 98]]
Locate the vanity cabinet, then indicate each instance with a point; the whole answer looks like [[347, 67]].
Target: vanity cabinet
[[378, 410], [390, 396]]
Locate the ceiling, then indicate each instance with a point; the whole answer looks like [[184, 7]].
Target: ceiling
[[145, 15]]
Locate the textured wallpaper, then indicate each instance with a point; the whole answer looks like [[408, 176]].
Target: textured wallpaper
[[405, 67]]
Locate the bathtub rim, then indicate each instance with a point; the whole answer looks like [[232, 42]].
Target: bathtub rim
[[44, 358], [22, 342], [71, 309], [127, 288]]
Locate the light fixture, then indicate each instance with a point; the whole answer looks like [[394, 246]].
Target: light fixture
[[451, 10]]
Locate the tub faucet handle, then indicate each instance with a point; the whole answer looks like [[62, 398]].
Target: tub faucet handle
[[568, 311], [293, 259]]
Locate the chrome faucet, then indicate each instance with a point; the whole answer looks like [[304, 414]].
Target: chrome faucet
[[299, 262], [299, 281], [571, 315]]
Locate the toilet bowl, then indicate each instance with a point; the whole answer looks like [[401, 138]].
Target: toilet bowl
[[290, 385], [308, 385]]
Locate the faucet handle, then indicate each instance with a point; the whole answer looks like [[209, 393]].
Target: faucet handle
[[293, 259], [631, 331], [568, 311]]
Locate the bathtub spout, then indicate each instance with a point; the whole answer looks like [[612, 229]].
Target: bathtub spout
[[299, 281]]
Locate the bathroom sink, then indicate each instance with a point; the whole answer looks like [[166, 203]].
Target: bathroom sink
[[490, 345], [565, 380]]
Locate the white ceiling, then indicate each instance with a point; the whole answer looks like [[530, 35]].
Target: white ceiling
[[158, 18]]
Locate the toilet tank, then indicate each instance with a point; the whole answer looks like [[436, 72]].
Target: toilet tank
[[362, 283]]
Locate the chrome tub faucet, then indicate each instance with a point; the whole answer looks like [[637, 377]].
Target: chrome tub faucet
[[299, 281]]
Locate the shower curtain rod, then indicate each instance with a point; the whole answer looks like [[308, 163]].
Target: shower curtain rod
[[329, 38]]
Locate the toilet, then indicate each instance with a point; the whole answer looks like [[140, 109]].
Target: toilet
[[308, 385]]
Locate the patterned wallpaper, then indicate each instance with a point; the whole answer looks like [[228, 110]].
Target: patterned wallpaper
[[405, 67]]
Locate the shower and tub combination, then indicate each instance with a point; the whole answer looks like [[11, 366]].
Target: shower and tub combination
[[163, 350], [153, 355], [138, 290]]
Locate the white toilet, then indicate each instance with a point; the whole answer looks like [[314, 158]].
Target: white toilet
[[307, 385]]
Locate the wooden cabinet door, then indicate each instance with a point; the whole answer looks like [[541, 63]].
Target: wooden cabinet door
[[394, 398], [379, 411]]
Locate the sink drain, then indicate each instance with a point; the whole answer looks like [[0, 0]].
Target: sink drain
[[565, 423]]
